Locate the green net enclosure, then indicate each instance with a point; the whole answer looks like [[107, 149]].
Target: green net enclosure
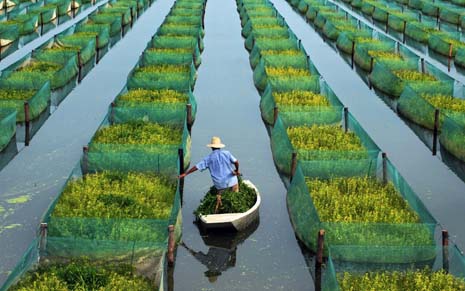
[[324, 150], [364, 51], [340, 276], [378, 213], [86, 43], [453, 135], [135, 145], [63, 6], [102, 32], [46, 13], [7, 126], [459, 59], [445, 44], [114, 20], [37, 94], [165, 106], [298, 107], [25, 23]]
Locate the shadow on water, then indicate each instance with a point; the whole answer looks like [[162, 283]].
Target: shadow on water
[[222, 248], [8, 152]]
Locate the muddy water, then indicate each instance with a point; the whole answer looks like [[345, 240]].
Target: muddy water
[[268, 256]]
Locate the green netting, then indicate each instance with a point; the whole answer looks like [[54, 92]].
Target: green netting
[[445, 43], [185, 20], [291, 57], [325, 16], [31, 72], [324, 163], [398, 20], [102, 31], [261, 22], [63, 6], [170, 57], [26, 23], [122, 12], [178, 42], [459, 59], [181, 30], [87, 44], [148, 106], [141, 156], [183, 81], [363, 52], [37, 94], [418, 31], [453, 135], [430, 8], [7, 126], [347, 39], [47, 13], [9, 32], [368, 8], [416, 4], [451, 15], [294, 112], [332, 29], [114, 20], [376, 242], [385, 77], [282, 81], [343, 276]]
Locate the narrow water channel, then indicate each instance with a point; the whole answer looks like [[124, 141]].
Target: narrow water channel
[[32, 180], [265, 258]]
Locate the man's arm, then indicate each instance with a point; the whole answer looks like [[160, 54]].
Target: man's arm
[[191, 170], [236, 172]]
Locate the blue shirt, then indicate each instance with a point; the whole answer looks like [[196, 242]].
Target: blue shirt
[[219, 163]]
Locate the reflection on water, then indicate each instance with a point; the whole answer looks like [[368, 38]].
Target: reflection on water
[[222, 248]]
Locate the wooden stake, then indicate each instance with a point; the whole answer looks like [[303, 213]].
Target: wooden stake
[[112, 113], [85, 159], [449, 58], [171, 245], [181, 171], [189, 115], [422, 62], [41, 23], [132, 16], [320, 246], [387, 22], [435, 131], [352, 55], [79, 66], [275, 114], [43, 236], [384, 161], [403, 32], [371, 65], [27, 121], [346, 119], [293, 165], [97, 50], [445, 250]]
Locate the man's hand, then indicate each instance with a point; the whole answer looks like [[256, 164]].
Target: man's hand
[[182, 176], [236, 173]]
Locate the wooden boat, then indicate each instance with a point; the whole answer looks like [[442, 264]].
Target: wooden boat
[[237, 221]]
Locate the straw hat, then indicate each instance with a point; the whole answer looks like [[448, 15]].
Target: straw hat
[[216, 143]]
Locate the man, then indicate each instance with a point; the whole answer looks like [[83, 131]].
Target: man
[[219, 163]]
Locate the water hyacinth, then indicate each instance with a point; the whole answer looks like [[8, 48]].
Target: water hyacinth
[[286, 72], [138, 133], [445, 102], [45, 67], [117, 195], [384, 55], [164, 69], [324, 138], [412, 75], [410, 280], [80, 275], [359, 199], [281, 52], [300, 98], [16, 94], [136, 96]]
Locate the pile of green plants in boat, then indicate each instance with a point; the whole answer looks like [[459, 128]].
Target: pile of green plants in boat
[[232, 202], [80, 275], [411, 280]]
